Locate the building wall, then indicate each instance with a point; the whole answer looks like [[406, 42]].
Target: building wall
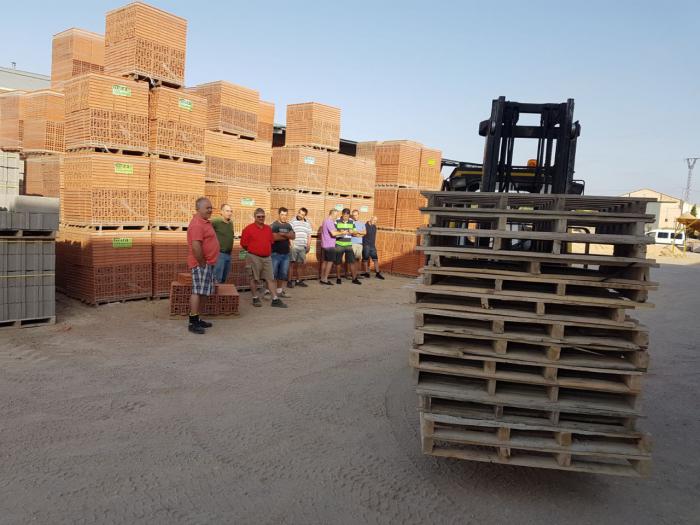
[[667, 210], [13, 79]]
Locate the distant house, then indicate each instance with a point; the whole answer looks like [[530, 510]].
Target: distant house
[[666, 210], [12, 79]]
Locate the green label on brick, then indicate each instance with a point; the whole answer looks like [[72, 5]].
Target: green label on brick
[[122, 242], [339, 207], [364, 209], [123, 168], [431, 162], [121, 91], [309, 160], [185, 104], [242, 255], [247, 201]]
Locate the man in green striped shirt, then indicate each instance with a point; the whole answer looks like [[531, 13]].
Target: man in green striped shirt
[[343, 245]]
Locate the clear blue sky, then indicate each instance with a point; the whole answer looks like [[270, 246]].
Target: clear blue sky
[[428, 70]]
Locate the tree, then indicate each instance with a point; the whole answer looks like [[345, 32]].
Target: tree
[[694, 211]]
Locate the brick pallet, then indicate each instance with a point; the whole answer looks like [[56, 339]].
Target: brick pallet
[[43, 122], [105, 189], [42, 175], [313, 124], [398, 163], [11, 120], [293, 200], [299, 168], [231, 108], [106, 112], [169, 253], [233, 160], [244, 199], [74, 53], [143, 42], [176, 122], [429, 174], [27, 262], [11, 177], [101, 266], [173, 189], [224, 302], [266, 121], [525, 351]]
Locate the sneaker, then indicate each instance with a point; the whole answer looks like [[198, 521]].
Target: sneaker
[[290, 284], [302, 284], [256, 301], [284, 294], [205, 324], [379, 276], [327, 283], [338, 281], [356, 281], [278, 303], [365, 275], [196, 328]]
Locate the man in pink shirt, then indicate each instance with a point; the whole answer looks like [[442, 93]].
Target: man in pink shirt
[[328, 234]]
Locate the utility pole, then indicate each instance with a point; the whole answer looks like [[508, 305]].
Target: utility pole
[[691, 164]]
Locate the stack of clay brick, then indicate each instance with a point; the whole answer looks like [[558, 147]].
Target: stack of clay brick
[[404, 169], [225, 300], [133, 166]]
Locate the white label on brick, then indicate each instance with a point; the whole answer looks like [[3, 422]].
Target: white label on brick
[[309, 160]]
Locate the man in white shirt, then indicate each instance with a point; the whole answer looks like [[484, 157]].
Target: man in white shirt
[[300, 247]]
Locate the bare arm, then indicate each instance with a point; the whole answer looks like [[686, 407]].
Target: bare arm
[[198, 253]]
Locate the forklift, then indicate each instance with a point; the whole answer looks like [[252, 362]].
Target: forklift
[[551, 171]]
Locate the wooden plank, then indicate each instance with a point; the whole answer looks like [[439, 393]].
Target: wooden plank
[[537, 235]]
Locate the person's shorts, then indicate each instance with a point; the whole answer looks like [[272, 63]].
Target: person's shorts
[[280, 266], [329, 254], [261, 267], [203, 280], [369, 252], [344, 251], [297, 255], [357, 251]]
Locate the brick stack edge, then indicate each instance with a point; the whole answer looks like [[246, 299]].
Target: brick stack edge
[[225, 300]]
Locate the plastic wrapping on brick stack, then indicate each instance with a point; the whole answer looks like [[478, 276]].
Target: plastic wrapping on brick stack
[[266, 121], [11, 177], [176, 123], [11, 120], [173, 190], [313, 124], [231, 108], [233, 160], [42, 175], [43, 122], [74, 53]]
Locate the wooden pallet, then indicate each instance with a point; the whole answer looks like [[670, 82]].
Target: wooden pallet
[[535, 448], [27, 323]]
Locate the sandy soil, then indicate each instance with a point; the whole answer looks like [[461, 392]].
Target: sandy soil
[[118, 415]]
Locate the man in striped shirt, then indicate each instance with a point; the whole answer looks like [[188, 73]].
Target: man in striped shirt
[[300, 246]]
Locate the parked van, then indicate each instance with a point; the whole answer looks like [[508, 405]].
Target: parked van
[[667, 237]]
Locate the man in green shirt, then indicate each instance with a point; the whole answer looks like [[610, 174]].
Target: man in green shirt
[[223, 227], [343, 246]]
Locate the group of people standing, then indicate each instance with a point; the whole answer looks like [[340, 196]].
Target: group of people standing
[[275, 252]]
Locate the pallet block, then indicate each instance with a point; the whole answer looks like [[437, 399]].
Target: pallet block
[[75, 52], [145, 42], [173, 189], [232, 160], [104, 189], [313, 124], [231, 108]]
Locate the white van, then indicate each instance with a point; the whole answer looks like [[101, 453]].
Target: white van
[[667, 237]]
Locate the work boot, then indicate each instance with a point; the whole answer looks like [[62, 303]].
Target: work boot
[[257, 302], [302, 284], [379, 276], [365, 275], [327, 283], [194, 326], [278, 303], [290, 284], [338, 281], [204, 324], [356, 281]]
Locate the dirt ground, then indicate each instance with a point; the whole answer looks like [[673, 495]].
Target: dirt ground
[[118, 415]]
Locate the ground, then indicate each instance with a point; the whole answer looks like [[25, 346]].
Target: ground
[[118, 415]]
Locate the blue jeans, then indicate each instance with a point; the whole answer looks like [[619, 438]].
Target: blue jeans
[[280, 265], [223, 267]]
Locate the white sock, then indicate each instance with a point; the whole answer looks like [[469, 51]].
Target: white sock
[[279, 290]]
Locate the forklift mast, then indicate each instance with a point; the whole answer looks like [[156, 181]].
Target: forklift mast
[[556, 146]]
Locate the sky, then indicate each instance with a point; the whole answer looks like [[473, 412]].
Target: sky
[[428, 71]]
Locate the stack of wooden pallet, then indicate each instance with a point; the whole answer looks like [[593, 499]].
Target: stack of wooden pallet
[[403, 169], [74, 53], [313, 124], [525, 350], [145, 43], [11, 120]]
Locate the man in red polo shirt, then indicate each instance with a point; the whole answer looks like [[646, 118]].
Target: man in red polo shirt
[[203, 250], [257, 239]]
